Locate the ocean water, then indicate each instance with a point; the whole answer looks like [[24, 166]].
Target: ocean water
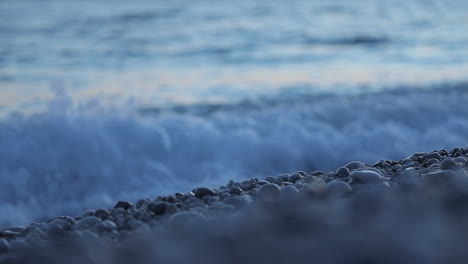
[[122, 100]]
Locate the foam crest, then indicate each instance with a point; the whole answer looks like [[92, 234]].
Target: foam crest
[[67, 159]]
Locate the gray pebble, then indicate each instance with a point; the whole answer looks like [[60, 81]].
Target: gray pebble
[[431, 161], [438, 177], [338, 187], [354, 165], [101, 213], [235, 190], [295, 177], [183, 218], [123, 204], [202, 191], [366, 176], [269, 192], [270, 179], [106, 226], [433, 155], [448, 164], [158, 208], [342, 172], [283, 177], [87, 222]]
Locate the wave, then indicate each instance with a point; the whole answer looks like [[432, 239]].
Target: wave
[[68, 159]]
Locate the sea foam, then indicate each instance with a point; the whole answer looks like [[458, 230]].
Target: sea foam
[[68, 158]]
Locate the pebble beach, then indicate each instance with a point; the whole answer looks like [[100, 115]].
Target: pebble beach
[[408, 210]]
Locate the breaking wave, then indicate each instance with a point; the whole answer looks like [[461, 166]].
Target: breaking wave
[[70, 158]]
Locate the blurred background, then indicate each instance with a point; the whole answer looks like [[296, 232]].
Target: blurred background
[[109, 100]]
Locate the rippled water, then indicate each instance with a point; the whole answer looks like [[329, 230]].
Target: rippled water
[[126, 100], [158, 52]]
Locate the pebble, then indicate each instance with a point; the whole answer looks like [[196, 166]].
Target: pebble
[[342, 172], [106, 226], [433, 155], [295, 177], [269, 192], [338, 187], [448, 164], [125, 219], [354, 165], [202, 191], [235, 190], [366, 176], [158, 208], [101, 213], [270, 179], [123, 204], [438, 177], [182, 218], [87, 222]]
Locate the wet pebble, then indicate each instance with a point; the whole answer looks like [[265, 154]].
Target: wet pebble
[[87, 222], [354, 165], [448, 164], [123, 204], [342, 172], [158, 208], [203, 191], [366, 176], [338, 187], [269, 192]]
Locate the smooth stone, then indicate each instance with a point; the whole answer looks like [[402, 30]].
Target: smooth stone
[[186, 217], [158, 208], [269, 192], [431, 161], [309, 179], [408, 178], [366, 176], [57, 227], [283, 177], [338, 187], [4, 247], [342, 172], [106, 226], [303, 173], [235, 190], [87, 213], [461, 160], [262, 182], [295, 177], [433, 155], [289, 191], [101, 213], [123, 204], [88, 222], [202, 191], [270, 179], [354, 165], [224, 195], [448, 164], [438, 177]]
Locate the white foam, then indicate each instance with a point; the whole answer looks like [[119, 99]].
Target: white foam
[[67, 159]]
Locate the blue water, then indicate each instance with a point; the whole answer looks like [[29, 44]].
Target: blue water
[[102, 101]]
